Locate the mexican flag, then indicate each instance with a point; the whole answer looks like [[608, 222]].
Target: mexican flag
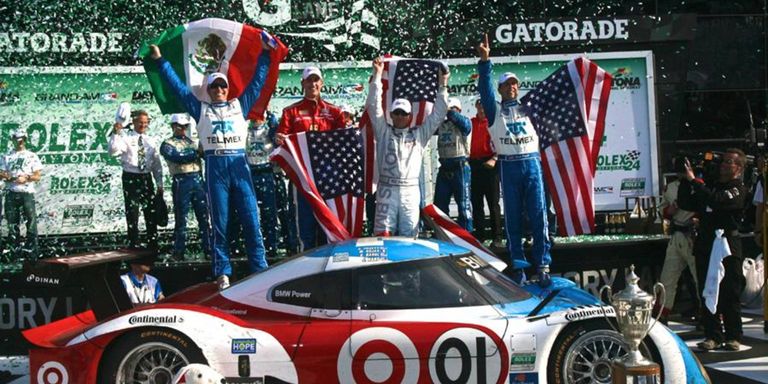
[[206, 46]]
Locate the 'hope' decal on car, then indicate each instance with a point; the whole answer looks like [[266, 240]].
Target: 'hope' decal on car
[[243, 346]]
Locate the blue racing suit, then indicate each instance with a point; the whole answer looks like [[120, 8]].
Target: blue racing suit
[[180, 153], [454, 175], [258, 147], [522, 185], [223, 130]]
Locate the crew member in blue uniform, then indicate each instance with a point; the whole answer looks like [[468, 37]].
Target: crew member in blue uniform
[[453, 176], [181, 155]]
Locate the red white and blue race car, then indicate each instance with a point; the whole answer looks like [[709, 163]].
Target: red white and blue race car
[[372, 310]]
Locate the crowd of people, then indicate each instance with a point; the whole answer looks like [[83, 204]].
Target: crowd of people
[[226, 175]]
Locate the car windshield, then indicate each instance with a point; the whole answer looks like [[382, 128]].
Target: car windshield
[[460, 281], [495, 286]]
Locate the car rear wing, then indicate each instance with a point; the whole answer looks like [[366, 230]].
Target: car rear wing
[[98, 273]]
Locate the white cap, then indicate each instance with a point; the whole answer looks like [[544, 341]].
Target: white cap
[[454, 102], [401, 104], [347, 109], [309, 71], [123, 113], [19, 133], [506, 76], [180, 118], [198, 374], [216, 76]]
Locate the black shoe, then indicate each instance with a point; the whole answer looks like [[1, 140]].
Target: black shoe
[[708, 345], [732, 345]]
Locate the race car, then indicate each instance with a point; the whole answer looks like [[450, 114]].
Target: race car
[[370, 310]]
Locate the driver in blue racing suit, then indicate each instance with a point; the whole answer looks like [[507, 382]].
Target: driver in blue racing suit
[[222, 129], [522, 185]]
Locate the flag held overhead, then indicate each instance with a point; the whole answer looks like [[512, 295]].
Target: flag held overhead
[[205, 46]]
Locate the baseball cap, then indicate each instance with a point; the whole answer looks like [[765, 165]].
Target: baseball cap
[[454, 102], [346, 109], [217, 76], [401, 104], [506, 76], [180, 119], [19, 133], [309, 71]]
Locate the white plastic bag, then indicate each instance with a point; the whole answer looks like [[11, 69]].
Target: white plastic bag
[[752, 296]]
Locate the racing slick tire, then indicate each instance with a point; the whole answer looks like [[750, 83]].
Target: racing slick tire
[[583, 352], [148, 355]]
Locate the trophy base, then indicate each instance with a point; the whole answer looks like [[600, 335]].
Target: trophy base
[[636, 374]]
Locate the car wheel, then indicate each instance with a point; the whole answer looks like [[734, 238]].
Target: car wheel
[[583, 353], [151, 355]]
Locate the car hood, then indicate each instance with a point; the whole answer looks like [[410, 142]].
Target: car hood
[[564, 295]]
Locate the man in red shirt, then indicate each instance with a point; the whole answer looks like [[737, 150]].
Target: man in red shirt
[[485, 179], [311, 113]]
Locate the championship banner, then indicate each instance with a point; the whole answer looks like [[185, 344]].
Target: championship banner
[[68, 113]]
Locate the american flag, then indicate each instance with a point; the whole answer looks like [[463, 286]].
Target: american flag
[[448, 230], [413, 79], [327, 167], [568, 111]]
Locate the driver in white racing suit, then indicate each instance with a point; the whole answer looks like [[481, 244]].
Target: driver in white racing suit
[[399, 155]]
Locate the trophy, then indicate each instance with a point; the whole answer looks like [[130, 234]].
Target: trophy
[[633, 314]]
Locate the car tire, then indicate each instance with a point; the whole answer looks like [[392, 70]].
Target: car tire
[[566, 367], [148, 355]]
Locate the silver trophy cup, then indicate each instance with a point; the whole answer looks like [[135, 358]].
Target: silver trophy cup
[[634, 309]]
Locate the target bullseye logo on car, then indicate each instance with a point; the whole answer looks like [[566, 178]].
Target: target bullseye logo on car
[[52, 372], [378, 354]]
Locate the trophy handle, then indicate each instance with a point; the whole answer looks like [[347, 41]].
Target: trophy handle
[[609, 301], [663, 295]]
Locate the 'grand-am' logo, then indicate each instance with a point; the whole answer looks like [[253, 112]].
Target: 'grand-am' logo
[[149, 319]]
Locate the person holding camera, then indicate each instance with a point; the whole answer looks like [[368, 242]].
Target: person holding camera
[[720, 205]]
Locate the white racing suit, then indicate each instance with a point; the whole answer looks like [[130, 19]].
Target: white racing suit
[[399, 158]]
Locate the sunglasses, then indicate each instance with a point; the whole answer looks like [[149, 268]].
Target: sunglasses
[[399, 113], [217, 85]]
